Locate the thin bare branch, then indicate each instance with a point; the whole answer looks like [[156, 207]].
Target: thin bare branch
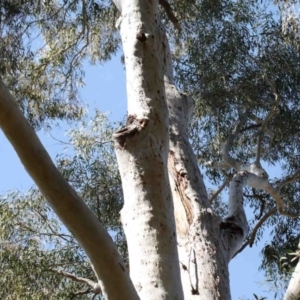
[[94, 285], [215, 195], [251, 239], [75, 294], [169, 12], [289, 179], [225, 151], [271, 212], [219, 165], [60, 141], [54, 232], [267, 131]]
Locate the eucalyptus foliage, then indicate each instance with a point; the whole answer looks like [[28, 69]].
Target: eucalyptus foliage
[[44, 45], [35, 246], [233, 57]]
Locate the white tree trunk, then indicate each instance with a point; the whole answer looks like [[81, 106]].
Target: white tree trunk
[[142, 154], [202, 254], [205, 248], [293, 290], [205, 244]]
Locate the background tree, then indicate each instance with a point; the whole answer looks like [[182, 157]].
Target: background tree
[[237, 60]]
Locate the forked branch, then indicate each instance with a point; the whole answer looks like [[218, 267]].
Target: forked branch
[[259, 178]]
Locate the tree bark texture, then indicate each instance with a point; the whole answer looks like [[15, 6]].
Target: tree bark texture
[[142, 154], [73, 212], [293, 290], [157, 114], [202, 255]]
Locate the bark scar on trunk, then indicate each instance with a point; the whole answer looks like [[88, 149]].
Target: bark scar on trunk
[[230, 225], [133, 127], [141, 37], [181, 183]]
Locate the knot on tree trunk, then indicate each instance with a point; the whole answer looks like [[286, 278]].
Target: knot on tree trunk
[[133, 127], [230, 225], [141, 37]]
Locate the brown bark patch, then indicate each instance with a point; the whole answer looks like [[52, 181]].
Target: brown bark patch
[[182, 204], [132, 128], [229, 225], [141, 37]]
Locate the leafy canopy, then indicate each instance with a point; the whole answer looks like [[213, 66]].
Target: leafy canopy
[[235, 58]]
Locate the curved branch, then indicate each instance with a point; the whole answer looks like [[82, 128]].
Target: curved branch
[[274, 192], [271, 212], [94, 285], [251, 239], [215, 195], [289, 179], [169, 12], [70, 208]]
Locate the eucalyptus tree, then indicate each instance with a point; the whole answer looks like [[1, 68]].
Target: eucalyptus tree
[[239, 66]]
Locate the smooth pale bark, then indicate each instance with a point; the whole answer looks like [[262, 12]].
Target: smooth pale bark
[[73, 212], [142, 154], [293, 290], [203, 258], [205, 243]]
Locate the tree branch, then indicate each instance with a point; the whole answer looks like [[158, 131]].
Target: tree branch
[[191, 204], [169, 12], [289, 179], [94, 285], [261, 182], [235, 164], [274, 192], [251, 239], [220, 189], [235, 226], [271, 212], [70, 208], [260, 177], [219, 165]]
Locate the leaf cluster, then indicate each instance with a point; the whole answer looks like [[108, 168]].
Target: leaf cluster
[[35, 245], [44, 45]]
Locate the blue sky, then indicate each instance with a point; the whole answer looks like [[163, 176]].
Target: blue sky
[[105, 89]]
